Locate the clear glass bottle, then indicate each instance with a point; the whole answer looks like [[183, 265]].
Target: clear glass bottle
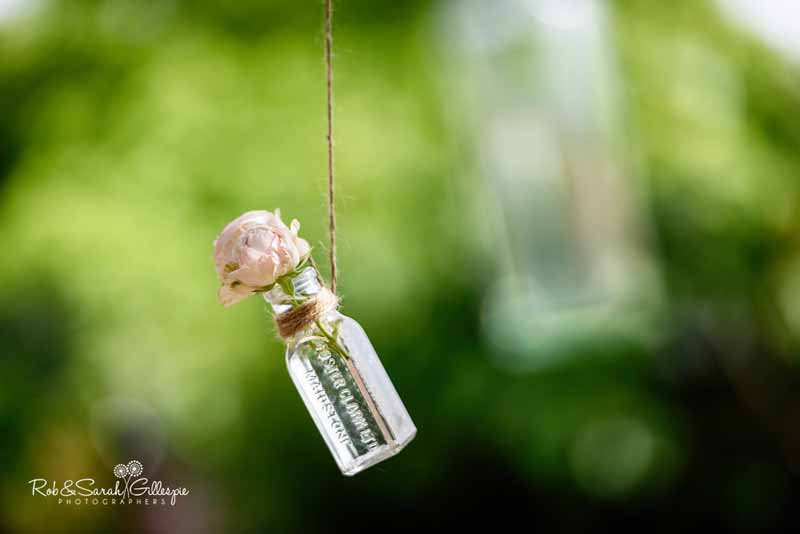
[[342, 382]]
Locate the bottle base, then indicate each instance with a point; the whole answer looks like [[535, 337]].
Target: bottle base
[[380, 454]]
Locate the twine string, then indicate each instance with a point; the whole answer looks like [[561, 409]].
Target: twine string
[[313, 309], [329, 109]]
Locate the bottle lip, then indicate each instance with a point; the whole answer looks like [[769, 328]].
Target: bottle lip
[[305, 283]]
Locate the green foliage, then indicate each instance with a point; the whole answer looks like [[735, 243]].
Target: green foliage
[[131, 132]]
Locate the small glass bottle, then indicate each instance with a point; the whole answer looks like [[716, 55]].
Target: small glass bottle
[[342, 382]]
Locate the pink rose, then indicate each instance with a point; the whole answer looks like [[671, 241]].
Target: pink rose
[[253, 251]]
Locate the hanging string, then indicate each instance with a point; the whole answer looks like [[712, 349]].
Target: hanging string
[[331, 180]]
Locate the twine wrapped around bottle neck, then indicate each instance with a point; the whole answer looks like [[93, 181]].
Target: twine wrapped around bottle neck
[[313, 309]]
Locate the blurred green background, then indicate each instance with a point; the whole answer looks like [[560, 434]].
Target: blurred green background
[[668, 398]]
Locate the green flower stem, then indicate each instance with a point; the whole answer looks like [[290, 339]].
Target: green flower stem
[[332, 339]]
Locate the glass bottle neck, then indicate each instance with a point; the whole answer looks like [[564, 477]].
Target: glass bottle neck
[[293, 290]]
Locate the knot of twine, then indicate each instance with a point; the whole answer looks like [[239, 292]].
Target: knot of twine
[[296, 319]]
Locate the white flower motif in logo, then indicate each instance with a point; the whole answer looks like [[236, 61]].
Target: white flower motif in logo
[[121, 471], [135, 468]]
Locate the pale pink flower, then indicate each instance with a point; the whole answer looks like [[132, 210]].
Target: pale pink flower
[[253, 251]]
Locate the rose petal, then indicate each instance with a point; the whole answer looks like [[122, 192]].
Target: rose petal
[[303, 248], [256, 269], [228, 296]]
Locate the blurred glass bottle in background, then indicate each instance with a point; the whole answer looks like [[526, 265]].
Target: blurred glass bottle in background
[[546, 135]]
